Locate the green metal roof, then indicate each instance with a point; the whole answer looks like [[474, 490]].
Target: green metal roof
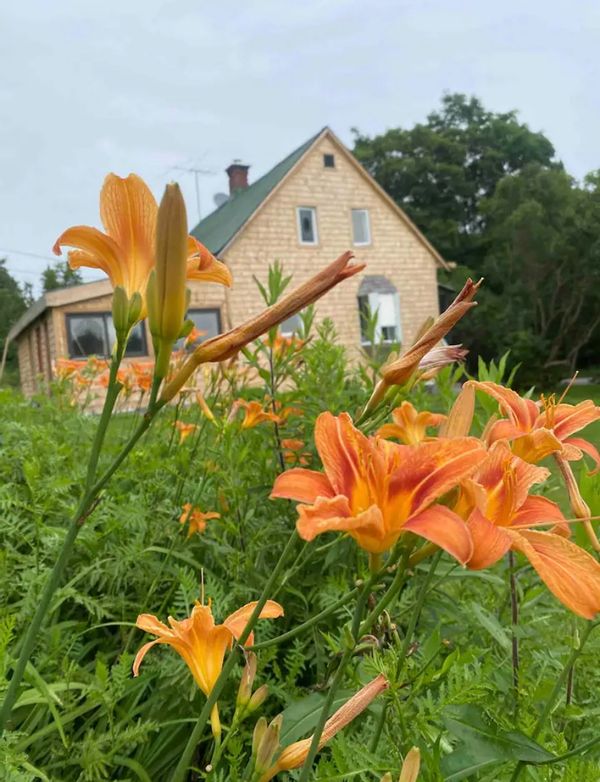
[[220, 226]]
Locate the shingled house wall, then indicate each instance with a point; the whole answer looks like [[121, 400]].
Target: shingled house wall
[[396, 251]]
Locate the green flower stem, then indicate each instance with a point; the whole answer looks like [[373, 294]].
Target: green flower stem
[[412, 624], [337, 679], [186, 757], [308, 624], [84, 508], [556, 691], [388, 596]]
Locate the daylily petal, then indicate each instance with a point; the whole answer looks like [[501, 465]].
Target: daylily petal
[[302, 485], [443, 527], [490, 542], [202, 265], [150, 624], [333, 515], [587, 448], [431, 469], [502, 430], [237, 621], [135, 668], [536, 445], [571, 418], [94, 250], [507, 480], [343, 450], [128, 211], [537, 510], [522, 412], [568, 571]]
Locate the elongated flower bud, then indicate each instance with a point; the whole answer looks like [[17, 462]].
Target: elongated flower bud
[[295, 754], [247, 680], [226, 345], [411, 766], [266, 743], [459, 420], [400, 370], [166, 291]]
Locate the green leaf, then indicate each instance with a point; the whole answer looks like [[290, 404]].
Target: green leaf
[[484, 744], [492, 625], [301, 717]]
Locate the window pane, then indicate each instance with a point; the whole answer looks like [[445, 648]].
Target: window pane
[[290, 326], [360, 226], [329, 161], [136, 346], [86, 335], [306, 218]]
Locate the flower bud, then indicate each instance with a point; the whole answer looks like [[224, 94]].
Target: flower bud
[[266, 744], [166, 292], [247, 680], [411, 766], [258, 698]]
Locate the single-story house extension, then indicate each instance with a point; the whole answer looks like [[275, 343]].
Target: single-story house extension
[[313, 205]]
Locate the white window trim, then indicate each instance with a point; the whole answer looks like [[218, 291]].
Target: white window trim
[[397, 324], [312, 209], [366, 211]]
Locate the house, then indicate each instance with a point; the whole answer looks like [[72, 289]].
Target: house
[[313, 205]]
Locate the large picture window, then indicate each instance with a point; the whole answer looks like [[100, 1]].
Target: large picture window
[[93, 334]]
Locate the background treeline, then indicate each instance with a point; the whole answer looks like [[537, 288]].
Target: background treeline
[[491, 195]]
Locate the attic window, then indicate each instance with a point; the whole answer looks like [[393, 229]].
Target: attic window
[[329, 160]]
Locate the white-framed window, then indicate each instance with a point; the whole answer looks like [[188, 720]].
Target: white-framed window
[[290, 326], [378, 301], [361, 228], [307, 225]]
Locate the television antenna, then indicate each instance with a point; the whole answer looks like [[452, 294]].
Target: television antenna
[[197, 172]]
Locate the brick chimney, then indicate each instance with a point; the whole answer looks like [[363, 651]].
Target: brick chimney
[[238, 177]]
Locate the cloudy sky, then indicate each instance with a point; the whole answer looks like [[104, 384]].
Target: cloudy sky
[[153, 85]]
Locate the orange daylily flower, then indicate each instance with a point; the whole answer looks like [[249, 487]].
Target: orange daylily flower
[[502, 515], [543, 428], [293, 453], [201, 643], [538, 429], [143, 372], [193, 336], [126, 252], [294, 755], [64, 367], [255, 414], [410, 426], [376, 490], [196, 518], [185, 430]]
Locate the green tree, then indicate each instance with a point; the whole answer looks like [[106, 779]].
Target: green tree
[[13, 303], [541, 297], [60, 275], [440, 171]]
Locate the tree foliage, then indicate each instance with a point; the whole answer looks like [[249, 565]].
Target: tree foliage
[[13, 302], [440, 171], [491, 196], [60, 275]]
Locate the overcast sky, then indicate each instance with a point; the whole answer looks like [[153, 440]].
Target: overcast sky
[[150, 85]]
